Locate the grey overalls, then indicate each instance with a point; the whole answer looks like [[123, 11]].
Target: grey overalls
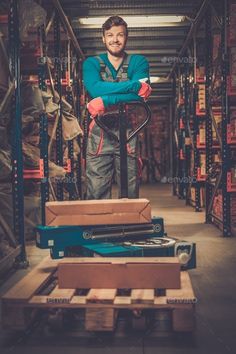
[[103, 156]]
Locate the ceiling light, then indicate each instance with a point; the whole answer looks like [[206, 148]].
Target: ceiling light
[[133, 21]]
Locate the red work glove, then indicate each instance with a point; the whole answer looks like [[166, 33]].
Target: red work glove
[[96, 107], [145, 91]]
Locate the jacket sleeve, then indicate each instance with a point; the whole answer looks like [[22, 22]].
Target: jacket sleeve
[[139, 68], [109, 100], [96, 87]]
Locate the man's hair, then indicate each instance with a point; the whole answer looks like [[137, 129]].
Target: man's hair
[[114, 21]]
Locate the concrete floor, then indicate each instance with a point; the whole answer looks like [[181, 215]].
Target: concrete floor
[[214, 283]]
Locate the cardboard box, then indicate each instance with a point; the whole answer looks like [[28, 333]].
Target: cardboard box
[[98, 212], [119, 273]]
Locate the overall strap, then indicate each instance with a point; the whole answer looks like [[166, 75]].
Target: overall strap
[[104, 70], [122, 74]]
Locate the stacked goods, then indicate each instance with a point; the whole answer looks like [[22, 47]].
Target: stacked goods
[[232, 25], [232, 50], [233, 209], [202, 134], [217, 205], [232, 77], [233, 122], [217, 157], [218, 119], [202, 131], [216, 46], [203, 164], [202, 196], [154, 145], [201, 103], [201, 73], [192, 163], [233, 175]]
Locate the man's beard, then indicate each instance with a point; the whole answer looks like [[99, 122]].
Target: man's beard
[[118, 54]]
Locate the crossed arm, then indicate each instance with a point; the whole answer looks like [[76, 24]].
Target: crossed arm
[[105, 93]]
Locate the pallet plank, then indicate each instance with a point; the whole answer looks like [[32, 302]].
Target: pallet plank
[[143, 296], [32, 282], [79, 300], [182, 295], [103, 296], [186, 290], [122, 300], [61, 295]]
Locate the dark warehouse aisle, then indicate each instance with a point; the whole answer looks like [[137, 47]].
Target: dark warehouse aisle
[[213, 282]]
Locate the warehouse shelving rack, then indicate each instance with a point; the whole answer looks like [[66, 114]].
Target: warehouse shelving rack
[[226, 148], [188, 117], [18, 174], [16, 138], [189, 126], [44, 170], [197, 118], [179, 137]]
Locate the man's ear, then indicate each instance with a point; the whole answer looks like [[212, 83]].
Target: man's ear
[[103, 39]]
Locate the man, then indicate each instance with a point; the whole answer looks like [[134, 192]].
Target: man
[[111, 78]]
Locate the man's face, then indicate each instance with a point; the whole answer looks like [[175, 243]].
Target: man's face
[[115, 40]]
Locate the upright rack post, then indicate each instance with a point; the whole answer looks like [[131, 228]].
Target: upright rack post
[[208, 136], [69, 98], [186, 119], [42, 62], [58, 77], [17, 156], [78, 86], [225, 122], [196, 152]]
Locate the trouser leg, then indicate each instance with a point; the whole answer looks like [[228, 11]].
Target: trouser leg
[[99, 165], [132, 167], [99, 172]]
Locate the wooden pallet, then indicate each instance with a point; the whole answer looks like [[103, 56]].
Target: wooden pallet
[[39, 289]]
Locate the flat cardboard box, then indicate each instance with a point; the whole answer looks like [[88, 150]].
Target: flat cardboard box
[[119, 273], [98, 212]]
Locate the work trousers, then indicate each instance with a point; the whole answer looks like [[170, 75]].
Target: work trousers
[[103, 161]]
